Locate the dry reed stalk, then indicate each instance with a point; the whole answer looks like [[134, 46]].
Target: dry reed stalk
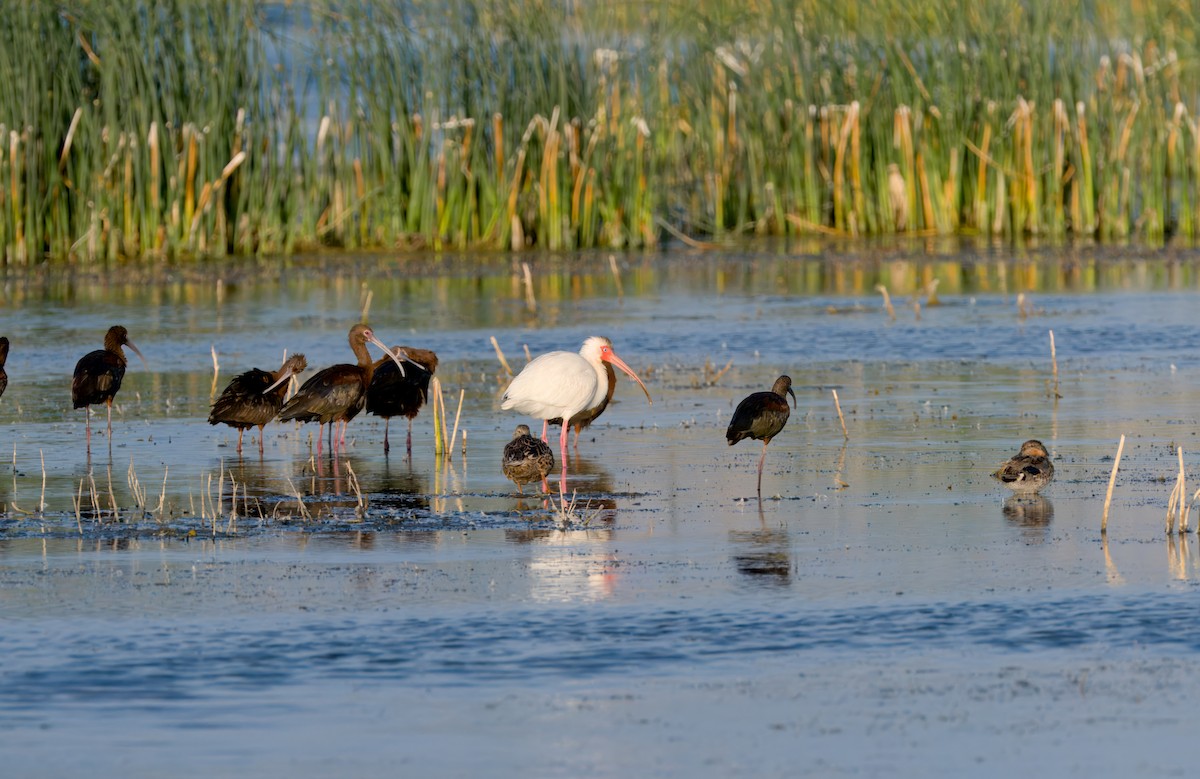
[[162, 497], [366, 307], [500, 355], [462, 393], [360, 502], [1054, 365], [1112, 480], [112, 498], [530, 300], [78, 501], [887, 301], [304, 513], [528, 356], [439, 420], [837, 404], [616, 272], [1185, 506], [42, 499], [212, 393], [1022, 306]]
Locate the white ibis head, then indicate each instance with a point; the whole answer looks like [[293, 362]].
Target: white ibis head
[[599, 349]]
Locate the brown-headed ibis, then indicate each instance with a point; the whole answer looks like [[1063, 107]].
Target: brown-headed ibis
[[761, 415], [98, 376], [254, 398], [562, 384], [394, 394], [527, 459], [336, 394]]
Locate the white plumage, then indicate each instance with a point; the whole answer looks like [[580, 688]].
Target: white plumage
[[561, 384]]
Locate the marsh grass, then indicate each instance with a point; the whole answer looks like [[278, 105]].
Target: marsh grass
[[266, 128]]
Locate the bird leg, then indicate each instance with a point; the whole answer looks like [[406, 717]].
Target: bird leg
[[320, 438], [409, 443], [545, 429], [562, 447], [761, 459], [109, 404], [386, 446], [240, 431], [87, 418]]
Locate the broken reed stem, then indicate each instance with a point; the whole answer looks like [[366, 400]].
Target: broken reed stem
[[1054, 365], [616, 272], [212, 393], [1022, 308], [530, 301], [837, 404], [360, 504], [462, 393], [162, 498], [1112, 480], [500, 355], [1183, 501], [42, 500], [366, 305], [887, 301]]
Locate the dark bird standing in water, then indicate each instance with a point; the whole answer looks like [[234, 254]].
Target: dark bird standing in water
[[761, 416], [98, 376], [337, 393], [253, 398], [394, 394], [1029, 471], [527, 459], [3, 359]]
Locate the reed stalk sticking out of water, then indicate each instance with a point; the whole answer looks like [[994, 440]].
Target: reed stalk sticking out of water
[[1177, 504], [838, 405], [1112, 480], [887, 301], [1054, 367], [499, 356]]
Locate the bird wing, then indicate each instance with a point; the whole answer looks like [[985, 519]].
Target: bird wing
[[551, 384]]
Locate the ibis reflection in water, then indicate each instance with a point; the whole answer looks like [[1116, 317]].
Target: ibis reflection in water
[[254, 398], [761, 415], [98, 376], [562, 384], [336, 394]]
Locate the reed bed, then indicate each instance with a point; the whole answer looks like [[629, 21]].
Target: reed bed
[[256, 128]]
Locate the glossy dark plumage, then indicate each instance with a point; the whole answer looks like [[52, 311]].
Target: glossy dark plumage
[[393, 395], [336, 393], [3, 360], [761, 415], [98, 374], [1029, 471], [526, 459], [250, 400]]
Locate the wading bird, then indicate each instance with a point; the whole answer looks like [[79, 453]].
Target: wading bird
[[98, 376], [394, 394], [761, 415], [586, 417], [562, 384], [3, 359], [1029, 471], [253, 398], [337, 393], [527, 459]]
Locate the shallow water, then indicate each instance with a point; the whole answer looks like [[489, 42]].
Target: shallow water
[[885, 609]]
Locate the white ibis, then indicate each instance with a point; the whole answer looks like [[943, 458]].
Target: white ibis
[[586, 417], [562, 384], [527, 459], [761, 415], [98, 376], [1029, 471]]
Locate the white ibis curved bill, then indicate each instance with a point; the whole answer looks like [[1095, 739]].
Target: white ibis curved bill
[[562, 384], [761, 415]]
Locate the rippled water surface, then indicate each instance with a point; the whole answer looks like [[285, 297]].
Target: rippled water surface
[[884, 609]]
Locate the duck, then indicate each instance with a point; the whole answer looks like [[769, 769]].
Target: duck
[[1029, 471]]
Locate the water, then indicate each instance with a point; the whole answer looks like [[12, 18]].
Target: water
[[885, 609]]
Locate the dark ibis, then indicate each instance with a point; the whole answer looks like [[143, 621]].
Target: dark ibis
[[98, 376], [527, 459], [3, 359], [254, 398], [1029, 470], [586, 417], [336, 394], [562, 384], [761, 415], [394, 394]]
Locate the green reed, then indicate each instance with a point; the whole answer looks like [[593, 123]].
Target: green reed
[[197, 129]]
